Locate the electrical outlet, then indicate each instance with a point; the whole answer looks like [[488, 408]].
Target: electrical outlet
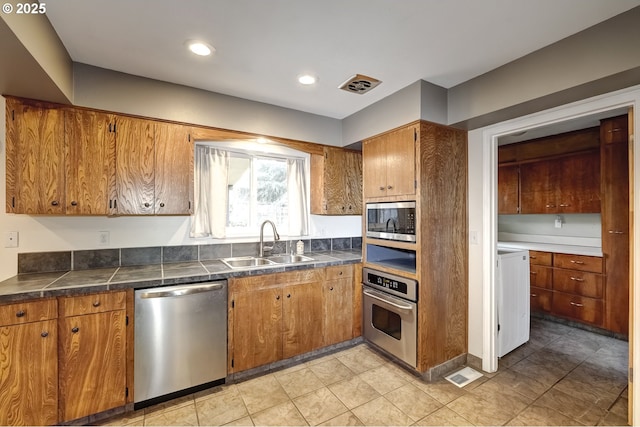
[[103, 238], [558, 222], [11, 239]]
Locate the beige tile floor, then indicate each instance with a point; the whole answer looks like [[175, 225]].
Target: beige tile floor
[[563, 376]]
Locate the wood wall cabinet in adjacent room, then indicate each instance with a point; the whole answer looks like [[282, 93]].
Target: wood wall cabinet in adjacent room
[[29, 363], [90, 155], [614, 139], [388, 163], [35, 158], [92, 354], [336, 182], [508, 189]]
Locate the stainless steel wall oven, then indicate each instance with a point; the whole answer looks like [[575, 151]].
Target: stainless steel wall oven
[[390, 313]]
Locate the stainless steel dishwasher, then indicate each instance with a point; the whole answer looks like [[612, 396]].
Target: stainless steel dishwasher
[[180, 340]]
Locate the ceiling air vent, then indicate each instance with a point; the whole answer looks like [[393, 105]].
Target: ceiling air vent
[[359, 84]]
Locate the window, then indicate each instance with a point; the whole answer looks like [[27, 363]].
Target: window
[[257, 191], [235, 192]]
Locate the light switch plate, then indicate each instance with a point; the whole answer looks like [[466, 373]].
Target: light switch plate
[[11, 239]]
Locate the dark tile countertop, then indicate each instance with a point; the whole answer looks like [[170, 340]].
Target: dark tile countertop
[[41, 285]]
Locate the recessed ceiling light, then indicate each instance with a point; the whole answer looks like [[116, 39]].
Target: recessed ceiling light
[[200, 48], [307, 79]]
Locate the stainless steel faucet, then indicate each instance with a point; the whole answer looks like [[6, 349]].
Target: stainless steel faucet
[[276, 237]]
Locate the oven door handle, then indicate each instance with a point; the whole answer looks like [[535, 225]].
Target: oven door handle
[[385, 300]]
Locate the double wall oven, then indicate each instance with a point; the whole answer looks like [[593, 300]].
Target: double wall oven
[[391, 313]]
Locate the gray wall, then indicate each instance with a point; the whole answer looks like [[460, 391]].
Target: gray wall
[[124, 93]]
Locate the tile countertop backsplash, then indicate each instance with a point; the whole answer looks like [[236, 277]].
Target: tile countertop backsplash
[[45, 274]]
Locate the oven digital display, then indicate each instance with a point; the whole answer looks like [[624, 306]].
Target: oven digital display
[[385, 282]]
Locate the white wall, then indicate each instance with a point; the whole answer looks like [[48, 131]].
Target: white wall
[[54, 233], [574, 225]]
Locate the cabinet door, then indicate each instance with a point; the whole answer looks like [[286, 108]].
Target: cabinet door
[[401, 163], [302, 316], [579, 183], [90, 162], [508, 186], [92, 353], [538, 188], [374, 166], [257, 328], [540, 299], [35, 159], [615, 221], [339, 185], [135, 156], [541, 276], [338, 310], [173, 169], [29, 374]]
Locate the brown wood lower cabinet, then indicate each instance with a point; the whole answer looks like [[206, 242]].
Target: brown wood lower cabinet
[[540, 299], [92, 354], [281, 315], [583, 309], [29, 363]]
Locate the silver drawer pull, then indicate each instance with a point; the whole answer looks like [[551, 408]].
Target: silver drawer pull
[[551, 205], [577, 279], [615, 232], [533, 272], [534, 295], [575, 304], [577, 262]]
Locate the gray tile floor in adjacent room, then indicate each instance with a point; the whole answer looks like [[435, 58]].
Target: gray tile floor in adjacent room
[[562, 376]]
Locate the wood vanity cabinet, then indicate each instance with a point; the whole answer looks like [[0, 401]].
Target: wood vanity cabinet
[[388, 163], [92, 354], [336, 182], [90, 155], [282, 315], [614, 137], [35, 158], [29, 363]]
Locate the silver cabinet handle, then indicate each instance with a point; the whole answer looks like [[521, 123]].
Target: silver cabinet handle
[[575, 304], [615, 232], [385, 300], [534, 295], [178, 291], [551, 205], [577, 279], [577, 262]]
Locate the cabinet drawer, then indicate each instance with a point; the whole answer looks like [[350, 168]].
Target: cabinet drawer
[[584, 309], [28, 311], [300, 276], [541, 276], [338, 272], [578, 282], [540, 299], [578, 262], [540, 258], [94, 303]]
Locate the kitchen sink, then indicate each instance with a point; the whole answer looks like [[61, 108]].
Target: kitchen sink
[[289, 259], [250, 261]]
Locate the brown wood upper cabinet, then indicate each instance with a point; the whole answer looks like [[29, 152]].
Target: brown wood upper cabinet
[[154, 168], [388, 163], [35, 158], [336, 182]]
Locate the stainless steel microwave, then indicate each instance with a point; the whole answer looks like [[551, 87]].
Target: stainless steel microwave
[[392, 221]]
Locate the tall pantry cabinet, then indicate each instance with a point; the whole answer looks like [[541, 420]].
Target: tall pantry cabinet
[[427, 163]]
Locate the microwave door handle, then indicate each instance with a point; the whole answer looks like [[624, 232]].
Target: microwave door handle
[[393, 304]]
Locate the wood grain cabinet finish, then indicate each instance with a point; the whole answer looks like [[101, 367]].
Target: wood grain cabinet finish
[[29, 363], [508, 189], [540, 299], [614, 137], [336, 182], [173, 169], [92, 354], [389, 163], [35, 158], [575, 307], [282, 315], [90, 155]]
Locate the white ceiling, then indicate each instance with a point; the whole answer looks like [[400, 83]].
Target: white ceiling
[[263, 45]]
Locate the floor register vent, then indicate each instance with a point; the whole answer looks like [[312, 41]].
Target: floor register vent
[[359, 84]]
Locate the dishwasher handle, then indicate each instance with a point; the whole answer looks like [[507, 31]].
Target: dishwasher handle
[[178, 291]]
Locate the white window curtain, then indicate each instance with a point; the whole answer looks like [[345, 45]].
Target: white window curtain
[[298, 198], [211, 193]]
